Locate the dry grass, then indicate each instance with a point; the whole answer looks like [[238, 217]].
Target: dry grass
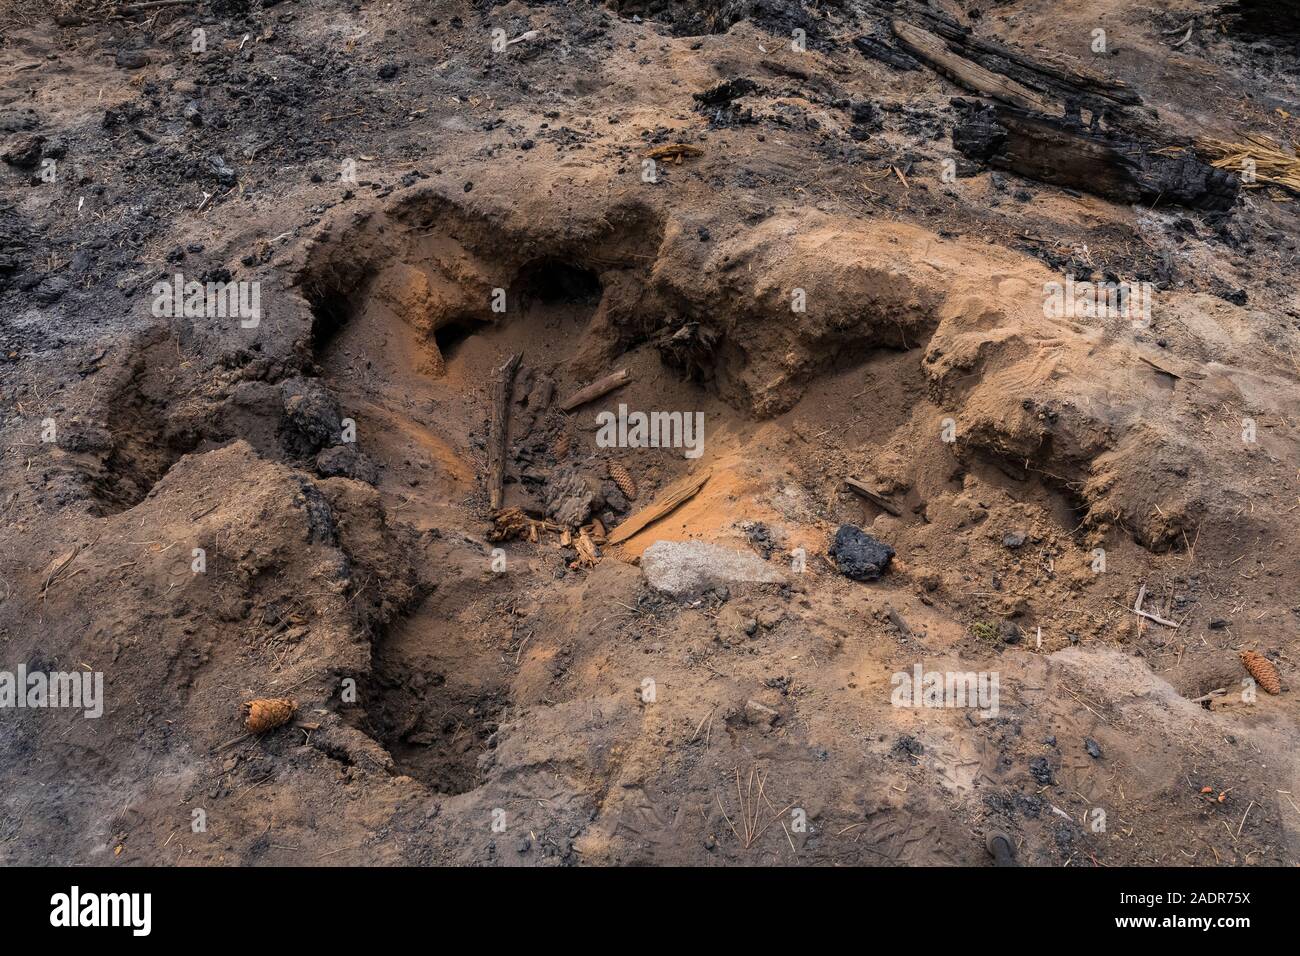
[[1272, 164]]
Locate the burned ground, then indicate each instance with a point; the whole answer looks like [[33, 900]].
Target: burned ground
[[788, 238]]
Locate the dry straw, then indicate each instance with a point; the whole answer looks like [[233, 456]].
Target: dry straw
[[1273, 164]]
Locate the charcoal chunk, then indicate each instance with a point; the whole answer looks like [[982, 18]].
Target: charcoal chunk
[[858, 555]]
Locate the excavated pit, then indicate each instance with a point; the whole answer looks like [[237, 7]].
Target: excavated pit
[[407, 341], [408, 334]]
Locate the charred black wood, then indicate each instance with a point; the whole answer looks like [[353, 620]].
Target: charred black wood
[[1031, 70], [875, 49], [1096, 93], [1278, 19], [1112, 165]]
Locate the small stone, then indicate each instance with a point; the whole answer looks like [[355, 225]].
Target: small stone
[[760, 714], [1013, 540], [225, 175], [1093, 748], [24, 152], [131, 59], [1009, 631]]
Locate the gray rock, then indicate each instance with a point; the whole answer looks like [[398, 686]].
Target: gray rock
[[18, 119], [686, 570], [760, 714], [51, 289], [24, 152], [225, 175], [131, 59]]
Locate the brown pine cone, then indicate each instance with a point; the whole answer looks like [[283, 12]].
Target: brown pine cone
[[623, 478], [268, 713], [561, 446], [1262, 669]]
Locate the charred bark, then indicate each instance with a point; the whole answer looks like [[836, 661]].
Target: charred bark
[[1112, 165]]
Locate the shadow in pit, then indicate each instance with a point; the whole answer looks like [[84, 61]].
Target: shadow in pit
[[433, 709]]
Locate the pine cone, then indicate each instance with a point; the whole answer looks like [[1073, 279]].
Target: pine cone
[[268, 713], [561, 446], [1262, 669], [623, 478]]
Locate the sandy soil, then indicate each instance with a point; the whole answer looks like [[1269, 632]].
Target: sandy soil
[[549, 711]]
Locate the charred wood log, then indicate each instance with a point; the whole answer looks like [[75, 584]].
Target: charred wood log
[[875, 49], [1278, 19], [932, 49], [1063, 80], [1112, 165]]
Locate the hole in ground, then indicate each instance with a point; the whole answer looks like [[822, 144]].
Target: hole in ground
[[450, 336], [555, 282], [431, 702], [125, 456], [326, 291], [1196, 678]]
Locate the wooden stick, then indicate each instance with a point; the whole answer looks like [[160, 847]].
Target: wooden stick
[[596, 389], [230, 743], [1243, 818], [967, 73], [897, 620], [503, 387], [878, 500], [1137, 609], [59, 569], [683, 492], [1159, 368]]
